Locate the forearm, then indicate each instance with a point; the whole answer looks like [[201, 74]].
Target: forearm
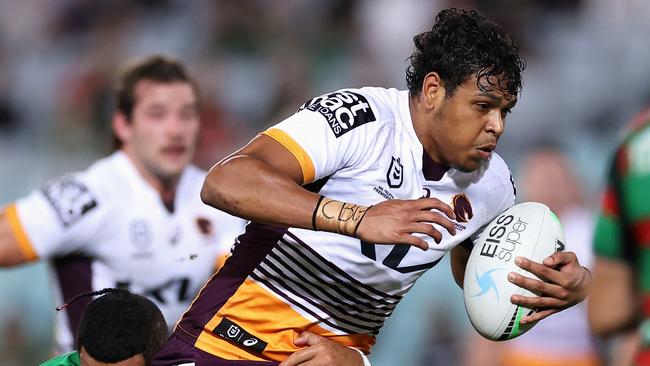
[[248, 187], [613, 307], [605, 324]]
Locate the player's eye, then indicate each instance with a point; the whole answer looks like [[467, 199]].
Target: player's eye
[[189, 113], [483, 106], [156, 113]]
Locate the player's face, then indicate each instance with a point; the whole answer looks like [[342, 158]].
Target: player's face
[[163, 127], [468, 125]]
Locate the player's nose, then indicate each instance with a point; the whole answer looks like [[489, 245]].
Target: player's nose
[[175, 126], [495, 124]]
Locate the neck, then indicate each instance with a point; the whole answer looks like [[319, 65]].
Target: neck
[[419, 118], [166, 187]]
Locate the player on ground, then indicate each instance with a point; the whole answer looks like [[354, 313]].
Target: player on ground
[[413, 170], [119, 328], [620, 302], [133, 219]]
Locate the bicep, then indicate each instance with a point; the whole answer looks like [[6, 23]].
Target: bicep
[[276, 155]]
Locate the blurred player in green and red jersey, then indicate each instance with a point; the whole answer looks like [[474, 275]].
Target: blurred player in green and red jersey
[[620, 302]]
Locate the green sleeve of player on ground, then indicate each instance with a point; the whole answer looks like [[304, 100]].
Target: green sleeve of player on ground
[[68, 359]]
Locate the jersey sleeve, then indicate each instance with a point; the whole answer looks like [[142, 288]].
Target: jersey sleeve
[[63, 216], [609, 236], [327, 133]]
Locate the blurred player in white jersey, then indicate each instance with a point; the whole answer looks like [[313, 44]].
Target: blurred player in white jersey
[[564, 339], [134, 219], [340, 192]]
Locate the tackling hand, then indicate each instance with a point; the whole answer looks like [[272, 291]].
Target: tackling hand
[[321, 351]]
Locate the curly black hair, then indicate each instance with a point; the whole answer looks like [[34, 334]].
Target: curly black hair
[[461, 44], [119, 325]]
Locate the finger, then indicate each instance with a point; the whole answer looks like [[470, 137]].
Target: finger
[[436, 218], [537, 316], [543, 272], [427, 229], [434, 203], [539, 287], [413, 240], [308, 338], [300, 357], [558, 259], [538, 302]]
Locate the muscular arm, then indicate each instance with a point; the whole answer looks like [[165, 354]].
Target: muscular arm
[[262, 182], [10, 252], [612, 305]]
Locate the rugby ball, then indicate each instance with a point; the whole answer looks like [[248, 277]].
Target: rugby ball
[[529, 230]]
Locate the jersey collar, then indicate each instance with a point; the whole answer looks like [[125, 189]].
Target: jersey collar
[[431, 170]]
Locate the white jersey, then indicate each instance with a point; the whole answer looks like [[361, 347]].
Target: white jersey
[[356, 146], [107, 227]]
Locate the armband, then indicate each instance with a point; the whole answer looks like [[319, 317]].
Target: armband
[[337, 217]]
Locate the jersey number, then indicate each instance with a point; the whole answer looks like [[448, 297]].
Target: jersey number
[[397, 254], [395, 257], [178, 286]]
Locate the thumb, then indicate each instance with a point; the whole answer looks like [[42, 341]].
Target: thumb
[[307, 338]]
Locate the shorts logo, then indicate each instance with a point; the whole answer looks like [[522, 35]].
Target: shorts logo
[[70, 198], [233, 331], [227, 329], [395, 173], [559, 246], [344, 110], [462, 208]]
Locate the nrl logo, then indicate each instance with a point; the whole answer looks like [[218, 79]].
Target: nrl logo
[[395, 174]]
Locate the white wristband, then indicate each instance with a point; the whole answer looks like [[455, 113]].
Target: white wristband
[[366, 361]]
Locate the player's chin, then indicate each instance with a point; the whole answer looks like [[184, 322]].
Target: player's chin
[[174, 167], [469, 165]]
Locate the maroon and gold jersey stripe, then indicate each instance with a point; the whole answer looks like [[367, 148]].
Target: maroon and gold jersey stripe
[[268, 318]]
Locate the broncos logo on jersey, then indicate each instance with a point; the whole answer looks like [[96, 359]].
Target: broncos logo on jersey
[[462, 208]]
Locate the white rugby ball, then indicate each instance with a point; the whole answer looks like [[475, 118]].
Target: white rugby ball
[[527, 230]]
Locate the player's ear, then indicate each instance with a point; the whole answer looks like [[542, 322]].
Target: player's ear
[[433, 90], [121, 127]]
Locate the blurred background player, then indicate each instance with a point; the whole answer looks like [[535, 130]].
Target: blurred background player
[[563, 339], [620, 301], [134, 219], [117, 328]]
